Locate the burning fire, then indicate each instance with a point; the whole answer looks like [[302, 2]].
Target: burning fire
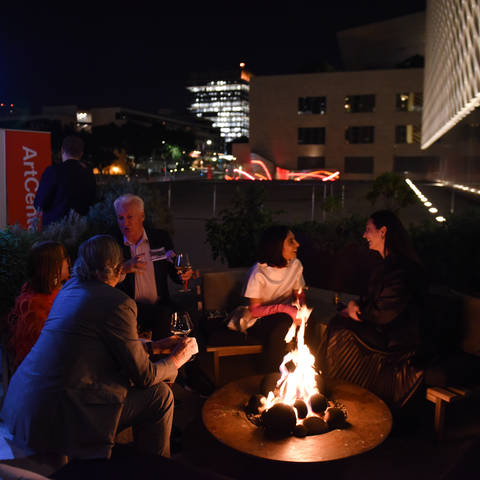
[[298, 375]]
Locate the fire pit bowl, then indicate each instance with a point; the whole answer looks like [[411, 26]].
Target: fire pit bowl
[[369, 419]]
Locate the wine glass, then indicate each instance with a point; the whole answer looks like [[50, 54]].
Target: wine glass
[[182, 264], [181, 324]]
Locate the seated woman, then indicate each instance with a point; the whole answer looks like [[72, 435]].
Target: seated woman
[[385, 320], [271, 287], [47, 269]]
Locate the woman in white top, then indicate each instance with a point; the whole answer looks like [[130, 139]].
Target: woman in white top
[[272, 285]]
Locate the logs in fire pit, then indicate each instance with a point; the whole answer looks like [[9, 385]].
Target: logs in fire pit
[[313, 416]]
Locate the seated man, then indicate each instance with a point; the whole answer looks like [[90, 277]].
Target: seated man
[[146, 281], [89, 376]]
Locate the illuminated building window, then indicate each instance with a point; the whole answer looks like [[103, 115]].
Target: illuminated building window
[[311, 136], [312, 105], [360, 134], [225, 104], [359, 103], [416, 164], [407, 134], [308, 163], [358, 164], [409, 102]]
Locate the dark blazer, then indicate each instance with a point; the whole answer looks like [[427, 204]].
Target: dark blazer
[[163, 268], [394, 301], [67, 395], [65, 186]]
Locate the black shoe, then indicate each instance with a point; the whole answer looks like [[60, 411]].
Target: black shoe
[[195, 380]]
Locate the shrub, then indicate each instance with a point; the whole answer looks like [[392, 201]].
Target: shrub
[[234, 236], [392, 190]]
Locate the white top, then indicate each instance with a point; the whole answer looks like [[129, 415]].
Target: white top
[[145, 286], [274, 285]]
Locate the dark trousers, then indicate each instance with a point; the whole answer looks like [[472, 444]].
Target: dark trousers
[[369, 333], [149, 411], [271, 330]]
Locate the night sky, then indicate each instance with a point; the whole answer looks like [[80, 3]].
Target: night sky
[[144, 60]]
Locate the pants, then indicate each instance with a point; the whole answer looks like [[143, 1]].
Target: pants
[[271, 330], [149, 412]]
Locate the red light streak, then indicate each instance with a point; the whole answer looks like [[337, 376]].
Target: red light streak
[[331, 177], [241, 172], [260, 176], [265, 169]]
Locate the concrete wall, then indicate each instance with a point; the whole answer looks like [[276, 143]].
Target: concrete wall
[[274, 120]]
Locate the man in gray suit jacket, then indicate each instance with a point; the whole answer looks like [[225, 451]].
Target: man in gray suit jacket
[[89, 376]]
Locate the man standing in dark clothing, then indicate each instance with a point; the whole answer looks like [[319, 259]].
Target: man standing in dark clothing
[[67, 186]]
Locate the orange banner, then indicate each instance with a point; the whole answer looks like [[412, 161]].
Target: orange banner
[[27, 155]]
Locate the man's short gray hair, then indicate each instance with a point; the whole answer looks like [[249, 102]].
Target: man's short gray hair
[[99, 257], [129, 199]]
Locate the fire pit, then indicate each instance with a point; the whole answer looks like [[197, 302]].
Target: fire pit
[[369, 419]]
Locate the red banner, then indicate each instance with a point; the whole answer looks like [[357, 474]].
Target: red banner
[[27, 155]]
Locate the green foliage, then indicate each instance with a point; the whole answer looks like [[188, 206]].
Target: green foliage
[[392, 190], [235, 234], [15, 243], [331, 204], [449, 251], [333, 235]]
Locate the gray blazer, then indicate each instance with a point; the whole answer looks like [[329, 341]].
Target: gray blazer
[[67, 395]]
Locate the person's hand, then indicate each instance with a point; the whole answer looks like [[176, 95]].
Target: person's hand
[[165, 345], [136, 264], [184, 350], [187, 275], [300, 296], [353, 310], [170, 255]]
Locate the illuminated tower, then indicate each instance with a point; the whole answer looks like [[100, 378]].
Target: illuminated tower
[[224, 101]]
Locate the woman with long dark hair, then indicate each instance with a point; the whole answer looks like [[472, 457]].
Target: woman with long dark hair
[[271, 287], [47, 269], [387, 316], [373, 340]]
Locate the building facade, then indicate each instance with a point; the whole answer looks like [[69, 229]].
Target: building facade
[[362, 123], [224, 101]]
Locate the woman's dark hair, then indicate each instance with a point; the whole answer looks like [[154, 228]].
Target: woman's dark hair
[[44, 265], [271, 246], [98, 257], [397, 240]]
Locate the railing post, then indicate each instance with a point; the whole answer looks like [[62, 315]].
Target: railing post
[[169, 194], [214, 198], [452, 202], [324, 213], [342, 198], [313, 202]]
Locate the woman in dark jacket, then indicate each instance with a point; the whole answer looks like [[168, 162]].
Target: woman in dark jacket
[[369, 339], [387, 317]]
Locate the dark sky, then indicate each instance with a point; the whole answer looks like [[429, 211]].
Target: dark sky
[[144, 60]]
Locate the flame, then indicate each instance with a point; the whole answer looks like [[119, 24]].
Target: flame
[[301, 382]]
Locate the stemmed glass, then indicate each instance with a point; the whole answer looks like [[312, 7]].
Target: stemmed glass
[[182, 264], [181, 324]]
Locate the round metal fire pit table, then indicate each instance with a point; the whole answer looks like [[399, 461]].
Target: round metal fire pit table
[[370, 422]]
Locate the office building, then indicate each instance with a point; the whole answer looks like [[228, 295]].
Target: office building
[[223, 98], [361, 122]]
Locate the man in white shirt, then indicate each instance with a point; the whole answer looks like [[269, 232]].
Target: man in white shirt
[[146, 281]]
